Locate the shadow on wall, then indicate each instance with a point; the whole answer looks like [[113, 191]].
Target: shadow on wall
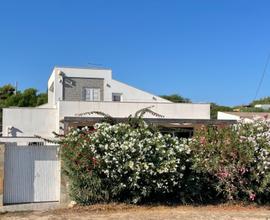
[[12, 131]]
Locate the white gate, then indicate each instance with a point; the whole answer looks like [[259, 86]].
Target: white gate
[[31, 174]]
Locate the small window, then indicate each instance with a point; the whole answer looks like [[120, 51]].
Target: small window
[[91, 94], [116, 97]]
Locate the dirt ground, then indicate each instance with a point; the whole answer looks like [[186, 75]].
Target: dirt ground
[[121, 212]]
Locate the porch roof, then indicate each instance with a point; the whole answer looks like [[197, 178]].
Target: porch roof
[[168, 122]]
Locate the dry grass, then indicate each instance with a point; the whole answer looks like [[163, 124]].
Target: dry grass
[[149, 212], [115, 207]]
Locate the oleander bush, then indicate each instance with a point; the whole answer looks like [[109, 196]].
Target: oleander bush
[[133, 162], [236, 158], [124, 163]]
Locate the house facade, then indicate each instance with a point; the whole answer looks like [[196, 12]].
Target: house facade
[[72, 91], [32, 167], [263, 106]]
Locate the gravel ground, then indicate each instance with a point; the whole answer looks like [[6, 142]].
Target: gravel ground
[[121, 212]]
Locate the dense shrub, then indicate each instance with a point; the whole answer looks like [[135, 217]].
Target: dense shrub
[[124, 163], [133, 162], [236, 158]]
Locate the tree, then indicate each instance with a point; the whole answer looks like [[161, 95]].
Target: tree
[[265, 100], [176, 98], [27, 98], [42, 98], [6, 91], [216, 108]]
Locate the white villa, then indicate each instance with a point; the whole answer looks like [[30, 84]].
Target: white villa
[[32, 167], [72, 91]]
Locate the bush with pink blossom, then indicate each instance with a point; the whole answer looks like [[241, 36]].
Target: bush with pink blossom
[[237, 158]]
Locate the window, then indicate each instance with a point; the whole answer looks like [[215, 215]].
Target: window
[[116, 97], [178, 132], [91, 94]]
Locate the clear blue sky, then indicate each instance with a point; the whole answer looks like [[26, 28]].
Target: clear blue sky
[[209, 51]]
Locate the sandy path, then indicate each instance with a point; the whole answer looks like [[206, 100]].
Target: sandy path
[[148, 213]]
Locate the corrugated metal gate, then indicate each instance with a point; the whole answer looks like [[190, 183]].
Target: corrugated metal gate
[[31, 174]]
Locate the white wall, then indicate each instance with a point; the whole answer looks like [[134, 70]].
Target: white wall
[[30, 121], [105, 74], [51, 95], [131, 94], [263, 106], [27, 122], [124, 109], [227, 116]]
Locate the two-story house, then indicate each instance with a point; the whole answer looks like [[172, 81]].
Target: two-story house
[[31, 166], [72, 91]]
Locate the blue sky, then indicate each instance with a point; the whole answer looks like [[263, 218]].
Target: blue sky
[[209, 51]]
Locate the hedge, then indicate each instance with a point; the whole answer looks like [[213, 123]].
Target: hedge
[[135, 163]]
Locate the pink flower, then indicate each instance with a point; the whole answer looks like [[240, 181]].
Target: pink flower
[[252, 196], [94, 160], [202, 140], [223, 174]]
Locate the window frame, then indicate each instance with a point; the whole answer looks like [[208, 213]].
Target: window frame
[[92, 94], [117, 94]]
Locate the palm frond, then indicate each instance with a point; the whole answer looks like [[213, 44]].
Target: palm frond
[[107, 118], [94, 113], [48, 140], [140, 113]]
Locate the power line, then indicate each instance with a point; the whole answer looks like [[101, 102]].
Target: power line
[[262, 78]]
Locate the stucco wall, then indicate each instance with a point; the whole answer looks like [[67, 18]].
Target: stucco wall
[[124, 109], [73, 87], [29, 121], [131, 94], [105, 74], [110, 85], [2, 150], [226, 116]]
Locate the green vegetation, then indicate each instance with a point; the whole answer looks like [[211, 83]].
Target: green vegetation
[[176, 98], [127, 162], [215, 108], [236, 158], [265, 100], [28, 98], [218, 108], [132, 162]]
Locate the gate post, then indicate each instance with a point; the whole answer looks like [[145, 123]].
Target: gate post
[[2, 153]]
